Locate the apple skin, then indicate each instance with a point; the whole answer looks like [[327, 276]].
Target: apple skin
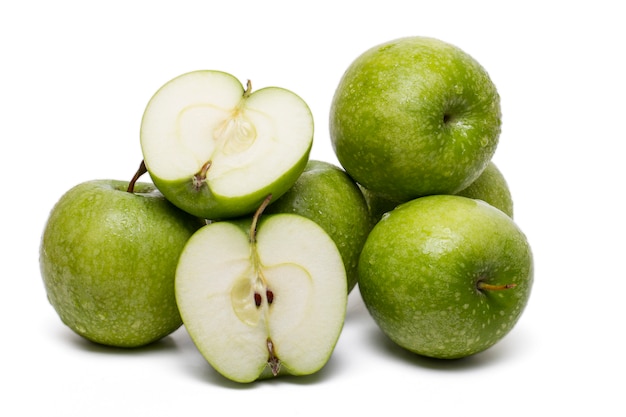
[[420, 268], [490, 186], [326, 194], [205, 204], [108, 260], [220, 268], [377, 204], [210, 201], [415, 116]]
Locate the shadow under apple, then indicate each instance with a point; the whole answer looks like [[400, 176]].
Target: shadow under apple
[[512, 345], [166, 344], [204, 372], [195, 364]]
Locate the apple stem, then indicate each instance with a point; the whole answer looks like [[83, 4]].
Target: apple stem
[[142, 170], [272, 360], [483, 286], [200, 177], [255, 218], [248, 91]]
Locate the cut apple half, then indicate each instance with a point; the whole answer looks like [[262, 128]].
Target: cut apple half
[[262, 300], [216, 149]]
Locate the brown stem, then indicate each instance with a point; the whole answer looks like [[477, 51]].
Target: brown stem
[[248, 91], [257, 215], [200, 177], [483, 286], [142, 170]]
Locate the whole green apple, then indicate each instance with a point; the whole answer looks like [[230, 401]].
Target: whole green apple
[[216, 149], [490, 186], [108, 260], [415, 116], [446, 276], [327, 195]]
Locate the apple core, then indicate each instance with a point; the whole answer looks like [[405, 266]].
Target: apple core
[[256, 300], [215, 150]]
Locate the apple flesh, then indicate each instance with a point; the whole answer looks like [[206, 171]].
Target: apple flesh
[[256, 299], [446, 276], [108, 259], [216, 150], [415, 116], [326, 194]]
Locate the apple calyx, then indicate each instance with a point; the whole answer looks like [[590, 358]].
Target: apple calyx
[[483, 286], [272, 360], [140, 171]]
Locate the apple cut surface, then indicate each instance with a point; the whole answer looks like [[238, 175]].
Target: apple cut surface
[[217, 150], [265, 306], [326, 194]]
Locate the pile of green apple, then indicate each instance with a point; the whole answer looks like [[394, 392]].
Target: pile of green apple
[[255, 247]]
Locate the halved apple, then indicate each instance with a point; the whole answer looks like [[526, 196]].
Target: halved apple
[[216, 150], [262, 299]]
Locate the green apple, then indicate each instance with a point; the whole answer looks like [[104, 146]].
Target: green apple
[[377, 204], [216, 150], [108, 260], [327, 195], [257, 301], [415, 116], [446, 276], [491, 187]]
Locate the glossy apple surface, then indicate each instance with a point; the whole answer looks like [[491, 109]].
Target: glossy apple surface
[[491, 187], [415, 116], [108, 260], [446, 276], [327, 195]]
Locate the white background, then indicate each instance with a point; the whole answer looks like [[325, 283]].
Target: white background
[[76, 76]]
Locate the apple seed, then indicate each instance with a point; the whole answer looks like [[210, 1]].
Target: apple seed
[[269, 296]]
